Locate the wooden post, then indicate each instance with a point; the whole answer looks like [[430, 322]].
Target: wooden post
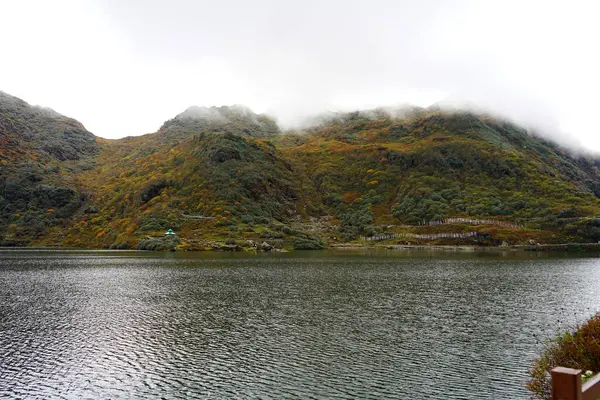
[[591, 389], [566, 384]]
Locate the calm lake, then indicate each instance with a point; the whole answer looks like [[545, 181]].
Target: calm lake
[[307, 325]]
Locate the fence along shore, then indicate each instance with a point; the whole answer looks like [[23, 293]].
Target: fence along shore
[[468, 221], [447, 235], [420, 236]]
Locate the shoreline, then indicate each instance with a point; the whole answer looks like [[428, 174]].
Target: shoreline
[[562, 248]]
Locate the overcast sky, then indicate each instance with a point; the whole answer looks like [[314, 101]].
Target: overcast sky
[[124, 67]]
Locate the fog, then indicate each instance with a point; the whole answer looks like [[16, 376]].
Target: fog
[[123, 68]]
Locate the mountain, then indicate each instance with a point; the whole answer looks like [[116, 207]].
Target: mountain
[[225, 177], [42, 154], [28, 132], [235, 119]]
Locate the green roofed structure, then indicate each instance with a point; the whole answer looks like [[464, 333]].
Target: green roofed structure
[[170, 232]]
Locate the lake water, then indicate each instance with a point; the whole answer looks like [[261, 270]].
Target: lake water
[[307, 325]]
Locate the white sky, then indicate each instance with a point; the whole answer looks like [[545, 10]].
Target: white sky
[[124, 67]]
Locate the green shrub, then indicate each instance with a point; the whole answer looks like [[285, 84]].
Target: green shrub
[[288, 231], [355, 221], [158, 244], [271, 235], [309, 243], [157, 223], [247, 219]]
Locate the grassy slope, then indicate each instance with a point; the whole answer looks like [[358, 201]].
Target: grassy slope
[[225, 173]]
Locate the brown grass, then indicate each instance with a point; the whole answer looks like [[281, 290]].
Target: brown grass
[[578, 349]]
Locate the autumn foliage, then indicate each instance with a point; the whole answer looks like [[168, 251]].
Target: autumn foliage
[[226, 173]]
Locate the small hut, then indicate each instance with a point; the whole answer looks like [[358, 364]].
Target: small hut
[[170, 233]]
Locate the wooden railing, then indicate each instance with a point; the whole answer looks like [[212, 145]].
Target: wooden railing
[[566, 385]]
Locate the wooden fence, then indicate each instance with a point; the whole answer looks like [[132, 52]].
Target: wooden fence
[[566, 385], [433, 236], [469, 221]]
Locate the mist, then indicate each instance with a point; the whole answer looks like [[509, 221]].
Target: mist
[[133, 65]]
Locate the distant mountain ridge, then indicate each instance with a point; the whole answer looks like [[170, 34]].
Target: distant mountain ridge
[[42, 130], [229, 119], [225, 177]]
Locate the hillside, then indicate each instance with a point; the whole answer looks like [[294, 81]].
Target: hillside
[[42, 153], [432, 166], [225, 177]]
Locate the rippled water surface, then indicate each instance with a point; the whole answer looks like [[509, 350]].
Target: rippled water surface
[[299, 325]]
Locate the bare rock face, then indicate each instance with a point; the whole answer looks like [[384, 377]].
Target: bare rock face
[[264, 246]]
